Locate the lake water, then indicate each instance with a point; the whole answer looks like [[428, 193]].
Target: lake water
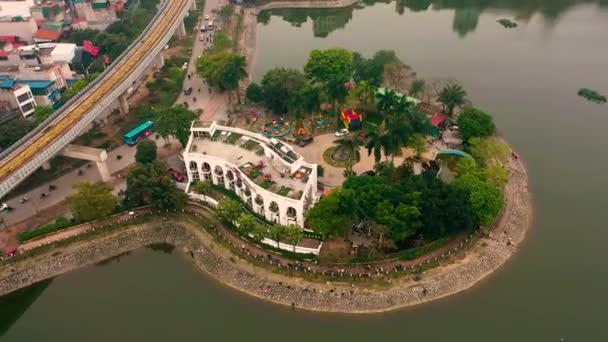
[[526, 77]]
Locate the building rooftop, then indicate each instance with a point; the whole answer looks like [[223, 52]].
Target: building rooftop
[[247, 154], [46, 34], [11, 9]]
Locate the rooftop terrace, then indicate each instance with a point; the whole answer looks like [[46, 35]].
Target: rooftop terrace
[[248, 155]]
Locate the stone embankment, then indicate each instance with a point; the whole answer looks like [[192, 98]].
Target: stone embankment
[[464, 270]]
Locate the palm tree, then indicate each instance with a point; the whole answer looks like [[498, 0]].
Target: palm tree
[[366, 94], [452, 95], [417, 87], [399, 135], [233, 72], [379, 141], [386, 100]]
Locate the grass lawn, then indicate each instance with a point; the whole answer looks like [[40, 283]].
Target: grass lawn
[[251, 145], [232, 139], [329, 160], [283, 191]]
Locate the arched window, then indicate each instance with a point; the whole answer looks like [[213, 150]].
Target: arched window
[[230, 175], [259, 200], [193, 166], [219, 171], [274, 207], [206, 167], [291, 212]]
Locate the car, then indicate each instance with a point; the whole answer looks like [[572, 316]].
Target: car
[[188, 91], [305, 140], [201, 38], [206, 16], [176, 175], [185, 66], [3, 207], [342, 132], [203, 28]]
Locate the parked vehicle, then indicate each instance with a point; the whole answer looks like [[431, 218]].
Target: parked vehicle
[[188, 91], [210, 25], [342, 132], [305, 140], [176, 175], [203, 28], [201, 38], [3, 207], [207, 17]]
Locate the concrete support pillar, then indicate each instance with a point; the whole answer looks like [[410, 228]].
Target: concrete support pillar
[[46, 165], [102, 167], [160, 60], [124, 104], [181, 30]]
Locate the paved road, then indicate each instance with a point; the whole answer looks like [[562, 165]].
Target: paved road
[[212, 103]]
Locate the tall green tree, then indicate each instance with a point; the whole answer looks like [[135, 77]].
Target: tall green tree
[[486, 199], [327, 217], [146, 151], [255, 93], [277, 231], [233, 72], [226, 13], [366, 70], [151, 184], [475, 123], [418, 143], [379, 141], [174, 121], [386, 101], [350, 143], [41, 113], [246, 224], [228, 210], [489, 151], [294, 235], [452, 96], [12, 131], [202, 187], [92, 201], [334, 64], [279, 85]]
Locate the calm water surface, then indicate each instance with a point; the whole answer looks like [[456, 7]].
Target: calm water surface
[[526, 77]]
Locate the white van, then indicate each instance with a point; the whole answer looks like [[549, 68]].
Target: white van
[[210, 25]]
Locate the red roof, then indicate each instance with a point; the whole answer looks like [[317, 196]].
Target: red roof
[[40, 22], [4, 53], [78, 20], [46, 34], [18, 45], [438, 119]]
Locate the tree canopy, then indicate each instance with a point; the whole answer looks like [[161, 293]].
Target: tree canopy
[[41, 113], [255, 93], [92, 201], [334, 64], [279, 85], [228, 210], [485, 199], [489, 151], [151, 184], [146, 151], [175, 121], [452, 96], [475, 123], [12, 131]]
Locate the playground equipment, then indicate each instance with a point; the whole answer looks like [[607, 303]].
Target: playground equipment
[[277, 128], [351, 119]]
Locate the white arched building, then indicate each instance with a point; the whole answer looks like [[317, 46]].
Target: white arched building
[[265, 173]]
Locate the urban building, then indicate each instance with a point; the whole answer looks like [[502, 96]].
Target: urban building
[[16, 19], [94, 14], [272, 179], [16, 96]]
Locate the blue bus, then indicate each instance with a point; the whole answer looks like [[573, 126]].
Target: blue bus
[[143, 130]]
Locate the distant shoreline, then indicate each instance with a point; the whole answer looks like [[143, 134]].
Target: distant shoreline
[[462, 272]]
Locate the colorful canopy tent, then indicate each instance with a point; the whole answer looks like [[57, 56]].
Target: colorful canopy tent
[[351, 119]]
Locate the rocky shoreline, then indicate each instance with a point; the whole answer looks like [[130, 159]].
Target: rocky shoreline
[[463, 271]]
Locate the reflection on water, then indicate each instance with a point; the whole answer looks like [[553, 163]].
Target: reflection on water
[[465, 20], [14, 305]]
